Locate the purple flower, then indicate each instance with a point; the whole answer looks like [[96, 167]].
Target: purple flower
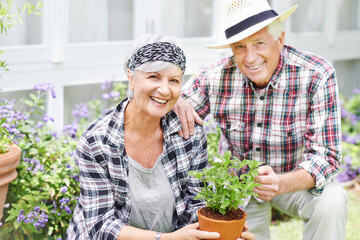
[[71, 129], [106, 96], [63, 189], [107, 84], [81, 111], [357, 91], [114, 94], [20, 217], [46, 87], [47, 118], [67, 209], [64, 201], [354, 139], [39, 124]]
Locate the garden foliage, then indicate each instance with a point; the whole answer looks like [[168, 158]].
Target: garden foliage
[[42, 198], [350, 126]]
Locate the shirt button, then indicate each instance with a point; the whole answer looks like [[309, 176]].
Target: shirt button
[[259, 124], [262, 98], [257, 149]]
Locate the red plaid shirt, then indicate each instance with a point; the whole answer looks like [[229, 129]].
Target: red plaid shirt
[[293, 123]]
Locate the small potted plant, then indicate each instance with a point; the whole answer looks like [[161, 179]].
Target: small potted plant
[[10, 155], [224, 190]]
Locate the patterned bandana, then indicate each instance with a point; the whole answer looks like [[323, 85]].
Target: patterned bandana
[[158, 51]]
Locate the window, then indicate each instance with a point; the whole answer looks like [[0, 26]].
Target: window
[[100, 20], [349, 13], [187, 18], [30, 32], [309, 16]]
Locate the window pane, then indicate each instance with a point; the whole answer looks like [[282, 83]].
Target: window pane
[[187, 18], [100, 20], [348, 73], [349, 14], [309, 16], [28, 33], [90, 92]]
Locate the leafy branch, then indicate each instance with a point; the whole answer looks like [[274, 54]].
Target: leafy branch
[[224, 189], [8, 19]]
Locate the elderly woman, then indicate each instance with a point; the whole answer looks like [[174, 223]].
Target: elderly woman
[[133, 164]]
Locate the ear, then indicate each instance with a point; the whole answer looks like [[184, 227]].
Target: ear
[[281, 40], [130, 79]]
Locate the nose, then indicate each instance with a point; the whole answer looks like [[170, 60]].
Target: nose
[[164, 88], [250, 55]]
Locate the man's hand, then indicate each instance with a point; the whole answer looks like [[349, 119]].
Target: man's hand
[[270, 183], [188, 116], [276, 184]]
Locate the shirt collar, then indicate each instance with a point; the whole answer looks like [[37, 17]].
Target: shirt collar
[[278, 71]]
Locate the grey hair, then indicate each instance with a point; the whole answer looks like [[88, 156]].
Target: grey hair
[[148, 66], [275, 29]]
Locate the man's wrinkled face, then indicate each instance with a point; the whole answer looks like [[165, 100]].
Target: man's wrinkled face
[[257, 56]]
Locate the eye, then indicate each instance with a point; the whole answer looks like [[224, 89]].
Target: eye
[[153, 76], [175, 80]]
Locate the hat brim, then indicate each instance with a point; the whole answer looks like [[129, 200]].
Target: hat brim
[[253, 29]]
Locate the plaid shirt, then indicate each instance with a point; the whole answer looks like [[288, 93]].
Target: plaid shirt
[[104, 205], [293, 123]]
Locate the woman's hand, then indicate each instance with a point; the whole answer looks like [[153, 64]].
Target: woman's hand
[[246, 235], [190, 232]]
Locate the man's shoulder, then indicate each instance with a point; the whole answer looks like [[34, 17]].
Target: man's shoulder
[[308, 60]]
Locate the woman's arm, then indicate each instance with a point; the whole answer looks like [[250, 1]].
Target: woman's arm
[[189, 232], [97, 198]]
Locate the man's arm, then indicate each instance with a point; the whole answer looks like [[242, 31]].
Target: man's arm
[[188, 116]]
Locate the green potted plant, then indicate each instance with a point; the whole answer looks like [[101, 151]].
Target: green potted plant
[[10, 155], [224, 190]]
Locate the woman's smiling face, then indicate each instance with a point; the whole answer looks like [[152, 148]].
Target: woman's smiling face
[[257, 56], [155, 93]]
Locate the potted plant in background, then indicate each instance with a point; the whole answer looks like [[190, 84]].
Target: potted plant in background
[[10, 155], [224, 190]]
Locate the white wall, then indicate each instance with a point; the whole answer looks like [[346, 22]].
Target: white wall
[[82, 42]]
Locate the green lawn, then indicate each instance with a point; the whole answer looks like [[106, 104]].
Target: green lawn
[[292, 229]]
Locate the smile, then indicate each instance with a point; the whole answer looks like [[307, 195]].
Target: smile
[[159, 100], [256, 67]]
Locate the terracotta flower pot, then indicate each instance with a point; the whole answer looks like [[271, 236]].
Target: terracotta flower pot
[[8, 164], [229, 230]]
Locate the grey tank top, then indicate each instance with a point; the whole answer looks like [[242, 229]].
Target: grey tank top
[[152, 200]]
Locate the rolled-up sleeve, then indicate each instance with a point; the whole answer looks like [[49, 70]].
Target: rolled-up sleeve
[[97, 196], [323, 136]]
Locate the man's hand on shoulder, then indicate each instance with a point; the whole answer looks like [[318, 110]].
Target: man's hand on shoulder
[[188, 116]]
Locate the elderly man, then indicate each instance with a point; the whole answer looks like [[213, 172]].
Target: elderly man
[[278, 105]]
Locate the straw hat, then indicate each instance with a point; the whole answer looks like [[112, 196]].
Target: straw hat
[[245, 17]]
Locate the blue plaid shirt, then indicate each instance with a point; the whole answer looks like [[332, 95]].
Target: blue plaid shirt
[[104, 205]]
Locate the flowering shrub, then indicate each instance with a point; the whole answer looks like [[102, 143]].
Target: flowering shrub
[[350, 115], [41, 199], [5, 138]]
